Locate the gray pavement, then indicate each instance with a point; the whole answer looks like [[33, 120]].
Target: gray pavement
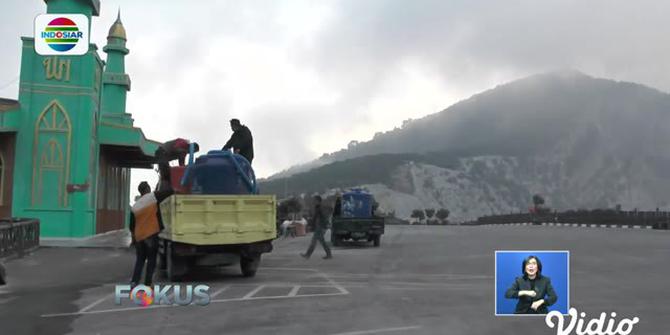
[[113, 239], [423, 280]]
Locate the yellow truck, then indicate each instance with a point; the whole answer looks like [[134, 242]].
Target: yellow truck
[[216, 230]]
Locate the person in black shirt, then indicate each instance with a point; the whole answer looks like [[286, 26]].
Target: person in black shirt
[[320, 220], [241, 141], [337, 210], [534, 291]]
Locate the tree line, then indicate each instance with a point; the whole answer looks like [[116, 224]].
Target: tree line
[[431, 216]]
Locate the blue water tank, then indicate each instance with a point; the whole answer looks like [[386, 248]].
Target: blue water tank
[[222, 172], [357, 204]]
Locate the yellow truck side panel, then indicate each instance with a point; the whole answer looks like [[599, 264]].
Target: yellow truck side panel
[[213, 219]]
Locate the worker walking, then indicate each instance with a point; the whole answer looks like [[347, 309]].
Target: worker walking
[[145, 224], [320, 221], [241, 141]]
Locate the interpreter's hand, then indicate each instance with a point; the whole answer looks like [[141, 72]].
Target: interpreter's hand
[[537, 304], [529, 293]]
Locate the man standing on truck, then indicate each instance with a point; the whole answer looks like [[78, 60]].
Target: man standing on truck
[[145, 224], [337, 210], [320, 221], [241, 141]]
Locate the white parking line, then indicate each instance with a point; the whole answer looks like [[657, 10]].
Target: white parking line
[[219, 291], [294, 291], [380, 330], [332, 282], [253, 292], [247, 297], [95, 303], [280, 297], [126, 309], [325, 276]]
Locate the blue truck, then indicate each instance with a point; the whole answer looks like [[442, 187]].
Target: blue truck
[[354, 219]]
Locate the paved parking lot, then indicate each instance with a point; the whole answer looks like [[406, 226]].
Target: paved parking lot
[[423, 280]]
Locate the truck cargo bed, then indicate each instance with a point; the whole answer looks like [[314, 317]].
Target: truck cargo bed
[[214, 219]]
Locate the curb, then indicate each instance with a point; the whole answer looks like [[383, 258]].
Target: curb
[[577, 225], [108, 240]]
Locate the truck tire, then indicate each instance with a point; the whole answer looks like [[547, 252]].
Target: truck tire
[[249, 265], [377, 240], [176, 266]]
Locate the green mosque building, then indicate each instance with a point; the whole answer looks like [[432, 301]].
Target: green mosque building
[[67, 145]]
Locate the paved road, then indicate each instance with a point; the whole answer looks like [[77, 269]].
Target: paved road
[[423, 280]]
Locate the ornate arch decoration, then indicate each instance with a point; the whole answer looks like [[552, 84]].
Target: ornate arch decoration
[[53, 133]]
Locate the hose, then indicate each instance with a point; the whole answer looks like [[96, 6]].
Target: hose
[[251, 185]]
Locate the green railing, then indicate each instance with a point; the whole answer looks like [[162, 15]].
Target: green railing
[[18, 236]]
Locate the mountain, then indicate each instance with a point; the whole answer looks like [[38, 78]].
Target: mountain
[[580, 141]]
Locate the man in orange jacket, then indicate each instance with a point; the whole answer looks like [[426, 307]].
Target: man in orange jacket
[[145, 224]]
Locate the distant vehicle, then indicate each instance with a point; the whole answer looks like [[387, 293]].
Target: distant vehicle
[[356, 220], [224, 223]]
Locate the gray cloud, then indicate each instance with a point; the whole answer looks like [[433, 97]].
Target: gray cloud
[[310, 76], [465, 41]]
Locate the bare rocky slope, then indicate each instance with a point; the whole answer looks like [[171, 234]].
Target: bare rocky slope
[[582, 142]]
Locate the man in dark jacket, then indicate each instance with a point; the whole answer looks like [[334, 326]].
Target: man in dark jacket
[[145, 224], [337, 210], [320, 220], [241, 141]]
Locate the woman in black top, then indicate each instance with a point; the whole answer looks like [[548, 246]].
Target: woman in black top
[[534, 291]]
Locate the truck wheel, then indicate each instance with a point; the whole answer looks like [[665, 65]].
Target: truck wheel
[[377, 240], [175, 266], [249, 265]]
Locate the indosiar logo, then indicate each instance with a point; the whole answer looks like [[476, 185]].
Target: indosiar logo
[[61, 34]]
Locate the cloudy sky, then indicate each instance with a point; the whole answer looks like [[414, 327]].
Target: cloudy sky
[[307, 77]]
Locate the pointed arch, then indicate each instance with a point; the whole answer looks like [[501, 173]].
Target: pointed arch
[[51, 155]]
